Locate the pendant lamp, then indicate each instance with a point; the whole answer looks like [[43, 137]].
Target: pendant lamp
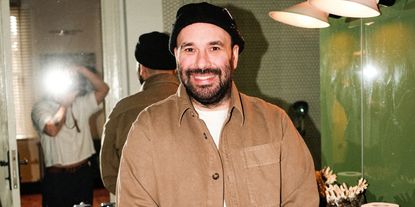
[[348, 8], [302, 15]]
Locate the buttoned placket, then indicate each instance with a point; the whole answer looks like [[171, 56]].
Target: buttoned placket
[[226, 146], [216, 180], [229, 181]]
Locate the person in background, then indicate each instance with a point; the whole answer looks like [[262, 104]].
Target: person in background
[[62, 122], [209, 144], [157, 76]]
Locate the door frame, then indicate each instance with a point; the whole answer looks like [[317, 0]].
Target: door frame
[[114, 52], [12, 197]]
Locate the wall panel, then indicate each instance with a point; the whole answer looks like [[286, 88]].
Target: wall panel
[[367, 101]]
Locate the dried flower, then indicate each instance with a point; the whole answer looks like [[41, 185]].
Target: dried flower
[[340, 194], [329, 176]]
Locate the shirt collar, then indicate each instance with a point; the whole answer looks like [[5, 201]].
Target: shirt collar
[[161, 78], [184, 104]]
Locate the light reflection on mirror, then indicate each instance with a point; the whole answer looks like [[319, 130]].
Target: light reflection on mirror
[[370, 72], [58, 80]]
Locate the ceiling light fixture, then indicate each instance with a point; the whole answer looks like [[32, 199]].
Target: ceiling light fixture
[[348, 8], [302, 15]]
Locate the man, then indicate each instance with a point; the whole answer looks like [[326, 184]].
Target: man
[[62, 122], [210, 145], [157, 74]]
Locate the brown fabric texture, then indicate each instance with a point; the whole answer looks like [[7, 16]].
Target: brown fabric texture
[[156, 88], [170, 159]]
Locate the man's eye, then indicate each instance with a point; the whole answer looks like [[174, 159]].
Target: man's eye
[[188, 49], [215, 48]]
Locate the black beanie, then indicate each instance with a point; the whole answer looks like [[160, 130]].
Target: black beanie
[[152, 51], [205, 13]]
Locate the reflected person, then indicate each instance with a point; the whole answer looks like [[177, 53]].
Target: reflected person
[[209, 144], [62, 122], [157, 75]]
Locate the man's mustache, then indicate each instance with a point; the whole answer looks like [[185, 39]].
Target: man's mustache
[[215, 71]]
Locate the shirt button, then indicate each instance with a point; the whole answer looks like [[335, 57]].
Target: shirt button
[[215, 176]]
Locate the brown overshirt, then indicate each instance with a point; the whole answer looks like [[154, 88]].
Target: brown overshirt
[[171, 160]]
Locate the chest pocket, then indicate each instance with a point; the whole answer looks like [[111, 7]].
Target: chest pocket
[[262, 168], [261, 155]]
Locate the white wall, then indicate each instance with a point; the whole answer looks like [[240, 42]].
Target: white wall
[[122, 23], [141, 17]]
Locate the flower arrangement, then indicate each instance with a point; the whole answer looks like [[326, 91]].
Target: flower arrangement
[[336, 194]]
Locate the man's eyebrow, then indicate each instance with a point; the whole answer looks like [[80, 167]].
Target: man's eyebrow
[[185, 44], [220, 43]]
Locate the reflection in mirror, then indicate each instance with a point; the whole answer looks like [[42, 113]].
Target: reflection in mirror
[[45, 32]]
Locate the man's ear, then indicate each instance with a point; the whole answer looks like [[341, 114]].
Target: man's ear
[[235, 56], [176, 54], [144, 72]]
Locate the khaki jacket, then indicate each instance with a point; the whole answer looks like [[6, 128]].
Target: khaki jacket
[[171, 160], [155, 88]]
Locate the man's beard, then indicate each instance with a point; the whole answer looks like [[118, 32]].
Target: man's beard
[[207, 94]]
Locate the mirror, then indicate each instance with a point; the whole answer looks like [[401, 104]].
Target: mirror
[[42, 31]]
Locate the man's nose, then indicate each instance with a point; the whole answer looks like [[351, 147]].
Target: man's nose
[[202, 60]]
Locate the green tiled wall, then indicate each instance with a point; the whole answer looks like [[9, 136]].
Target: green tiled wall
[[368, 101]]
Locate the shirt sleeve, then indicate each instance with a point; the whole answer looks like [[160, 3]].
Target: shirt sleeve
[[109, 158], [42, 112], [136, 184], [299, 185]]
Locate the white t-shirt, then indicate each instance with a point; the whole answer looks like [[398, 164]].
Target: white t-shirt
[[214, 121], [69, 146]]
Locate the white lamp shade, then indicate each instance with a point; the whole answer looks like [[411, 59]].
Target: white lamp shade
[[348, 8], [302, 15]]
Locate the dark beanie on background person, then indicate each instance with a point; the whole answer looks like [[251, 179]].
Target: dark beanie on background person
[[152, 51], [205, 13]]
